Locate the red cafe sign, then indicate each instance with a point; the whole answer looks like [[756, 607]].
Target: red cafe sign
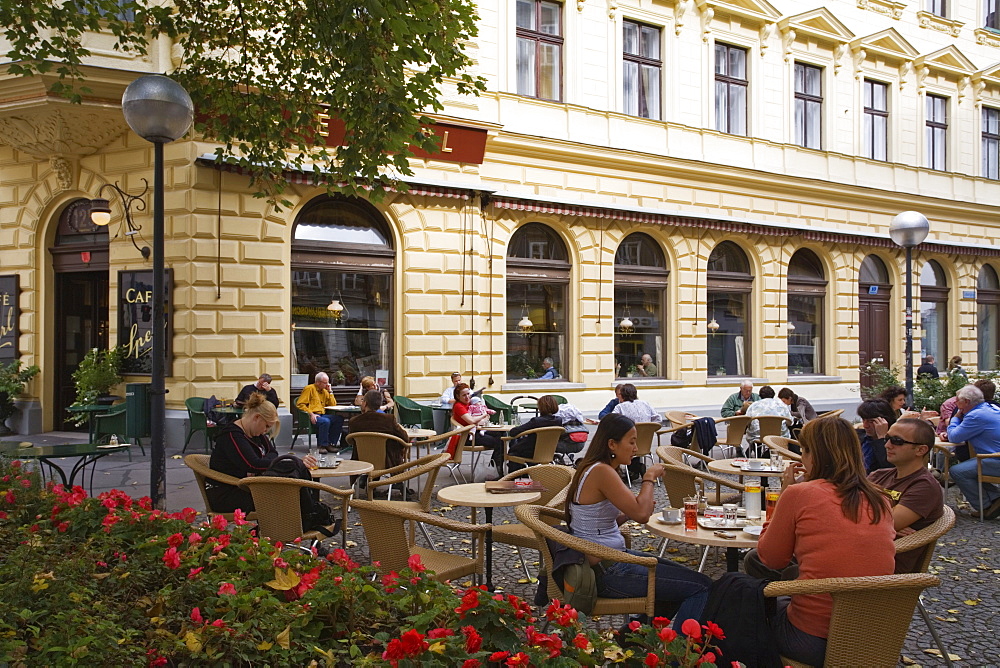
[[459, 143]]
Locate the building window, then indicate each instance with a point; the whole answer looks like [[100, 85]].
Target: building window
[[933, 311], [730, 89], [538, 272], [991, 143], [641, 55], [729, 286], [539, 49], [992, 20], [938, 8], [808, 105], [876, 137], [806, 294], [640, 297], [937, 132], [988, 300], [342, 266]]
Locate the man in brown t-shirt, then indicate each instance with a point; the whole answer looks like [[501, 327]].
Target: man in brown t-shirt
[[917, 499]]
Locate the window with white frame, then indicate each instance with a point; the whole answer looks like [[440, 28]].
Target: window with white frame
[[991, 143], [730, 89], [938, 8], [936, 132], [808, 105], [642, 67], [992, 19], [539, 49], [876, 131]]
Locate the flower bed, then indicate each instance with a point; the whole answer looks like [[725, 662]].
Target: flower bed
[[112, 581]]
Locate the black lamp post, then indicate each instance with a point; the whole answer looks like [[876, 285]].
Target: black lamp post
[[159, 110], [909, 229]]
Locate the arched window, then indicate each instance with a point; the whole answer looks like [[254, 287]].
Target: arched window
[[988, 300], [806, 294], [933, 312], [537, 283], [342, 265], [729, 286], [640, 298]]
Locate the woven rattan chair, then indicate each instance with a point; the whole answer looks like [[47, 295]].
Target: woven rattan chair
[[926, 539], [644, 433], [556, 480], [546, 440], [983, 477], [736, 429], [389, 547], [370, 446], [279, 513], [825, 414], [769, 425], [429, 466], [851, 640], [466, 443], [203, 473], [439, 443], [671, 454], [682, 481], [536, 517], [678, 418], [779, 445]]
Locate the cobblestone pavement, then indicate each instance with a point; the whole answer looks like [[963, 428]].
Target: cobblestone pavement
[[964, 608]]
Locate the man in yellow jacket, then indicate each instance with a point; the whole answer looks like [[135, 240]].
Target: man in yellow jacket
[[313, 401]]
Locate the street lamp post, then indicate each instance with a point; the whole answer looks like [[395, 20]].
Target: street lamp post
[[159, 110], [909, 229]]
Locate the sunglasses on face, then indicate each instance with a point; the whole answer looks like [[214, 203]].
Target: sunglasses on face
[[898, 440]]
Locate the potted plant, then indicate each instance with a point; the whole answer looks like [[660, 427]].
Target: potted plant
[[98, 372], [12, 381]]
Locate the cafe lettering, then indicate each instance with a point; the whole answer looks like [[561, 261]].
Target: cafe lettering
[[9, 317], [135, 319]]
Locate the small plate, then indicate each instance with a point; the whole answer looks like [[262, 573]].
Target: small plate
[[659, 518], [108, 447], [753, 531]]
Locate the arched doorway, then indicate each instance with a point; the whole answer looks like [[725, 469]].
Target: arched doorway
[[874, 295], [80, 263]]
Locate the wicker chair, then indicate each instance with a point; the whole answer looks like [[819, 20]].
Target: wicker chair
[[671, 454], [556, 480], [643, 443], [279, 513], [429, 466], [546, 440], [196, 421], [536, 518], [443, 439], [736, 428], [370, 446], [780, 445], [983, 477], [390, 548], [850, 641], [770, 425], [678, 418], [926, 539], [682, 481], [467, 444], [203, 473], [826, 414]]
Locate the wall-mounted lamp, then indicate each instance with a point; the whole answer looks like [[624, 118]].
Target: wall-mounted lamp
[[100, 211]]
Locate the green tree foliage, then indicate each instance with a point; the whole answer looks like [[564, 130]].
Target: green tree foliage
[[261, 73]]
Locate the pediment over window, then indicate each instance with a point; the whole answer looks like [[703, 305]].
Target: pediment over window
[[989, 76], [948, 60], [819, 23], [759, 11], [887, 43]]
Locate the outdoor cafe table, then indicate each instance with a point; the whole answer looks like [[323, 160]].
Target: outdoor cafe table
[[474, 495], [85, 453], [90, 410], [729, 466], [229, 410], [706, 537], [343, 409]]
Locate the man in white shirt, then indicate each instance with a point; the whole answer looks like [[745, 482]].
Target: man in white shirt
[[448, 396], [768, 405]]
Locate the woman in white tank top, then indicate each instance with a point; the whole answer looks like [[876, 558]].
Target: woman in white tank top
[[599, 502]]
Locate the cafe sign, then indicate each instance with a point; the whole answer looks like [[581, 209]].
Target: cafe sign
[[10, 316], [135, 320]]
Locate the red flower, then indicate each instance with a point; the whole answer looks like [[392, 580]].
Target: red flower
[[390, 581], [413, 643], [62, 526], [634, 625], [441, 632], [499, 656], [194, 538], [155, 659], [470, 600], [227, 589], [415, 564], [660, 622], [563, 615], [194, 572], [25, 483], [239, 517], [175, 540], [667, 635], [580, 641], [651, 660], [188, 514], [3, 515], [307, 581], [339, 557], [470, 663], [707, 657], [219, 624], [196, 616], [714, 630], [473, 641], [10, 497], [691, 629], [220, 522], [171, 558], [519, 659]]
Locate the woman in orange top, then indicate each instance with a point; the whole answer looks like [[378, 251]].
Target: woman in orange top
[[832, 523]]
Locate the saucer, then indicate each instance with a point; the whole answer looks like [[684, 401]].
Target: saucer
[[753, 531]]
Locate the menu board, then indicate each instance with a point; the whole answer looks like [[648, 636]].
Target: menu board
[[135, 320], [10, 316]]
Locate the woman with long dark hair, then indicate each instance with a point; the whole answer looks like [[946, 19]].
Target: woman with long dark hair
[[830, 522], [599, 502]]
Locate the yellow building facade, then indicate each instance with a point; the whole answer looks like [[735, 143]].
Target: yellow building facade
[[741, 240]]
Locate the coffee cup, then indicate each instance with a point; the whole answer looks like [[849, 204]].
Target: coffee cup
[[755, 464], [672, 515]]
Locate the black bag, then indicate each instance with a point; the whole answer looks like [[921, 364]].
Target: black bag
[[573, 440], [316, 515], [681, 438]]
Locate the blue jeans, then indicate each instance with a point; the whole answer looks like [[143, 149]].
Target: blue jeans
[[964, 475], [674, 584], [327, 424], [792, 641]]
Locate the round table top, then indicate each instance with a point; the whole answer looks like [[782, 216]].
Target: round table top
[[419, 433], [345, 468], [700, 536], [499, 427], [727, 466], [229, 410], [474, 495], [344, 409], [27, 450]]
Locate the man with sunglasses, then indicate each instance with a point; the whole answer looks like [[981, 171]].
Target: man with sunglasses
[[977, 423], [916, 496]]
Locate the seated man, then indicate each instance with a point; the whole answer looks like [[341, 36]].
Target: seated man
[[373, 420], [549, 370], [768, 405], [876, 418], [977, 423], [738, 403], [646, 366], [448, 396], [314, 400], [263, 386], [916, 497]]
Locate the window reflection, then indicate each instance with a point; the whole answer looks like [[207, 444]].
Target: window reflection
[[933, 311], [806, 295], [988, 298], [729, 287], [545, 306]]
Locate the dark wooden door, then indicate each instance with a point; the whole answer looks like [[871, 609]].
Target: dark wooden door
[[81, 324], [873, 329]]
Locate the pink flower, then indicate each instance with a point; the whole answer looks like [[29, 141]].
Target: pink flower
[[193, 573], [415, 564], [220, 522], [196, 616], [439, 632], [171, 558], [227, 589], [691, 629], [239, 517], [194, 538], [10, 497], [25, 483], [175, 540], [218, 623]]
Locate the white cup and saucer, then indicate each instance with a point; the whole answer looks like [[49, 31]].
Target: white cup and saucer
[[672, 515], [755, 465]]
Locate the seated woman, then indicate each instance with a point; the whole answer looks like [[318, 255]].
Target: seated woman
[[463, 413], [525, 446], [243, 449], [801, 409], [598, 502], [830, 522], [367, 385], [895, 396]]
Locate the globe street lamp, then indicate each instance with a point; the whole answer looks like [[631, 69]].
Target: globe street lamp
[[159, 110], [909, 229]]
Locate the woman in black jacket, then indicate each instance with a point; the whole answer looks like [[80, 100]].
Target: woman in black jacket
[[525, 446]]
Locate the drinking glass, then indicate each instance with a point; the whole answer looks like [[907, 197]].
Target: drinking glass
[[314, 453], [772, 499], [691, 513], [729, 514]]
